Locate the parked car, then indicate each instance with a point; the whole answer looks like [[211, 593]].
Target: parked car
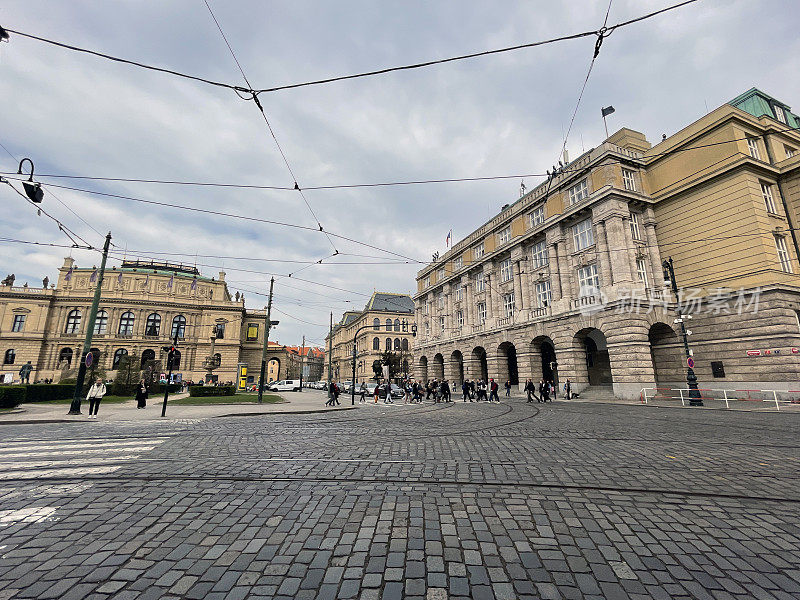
[[397, 392], [286, 385]]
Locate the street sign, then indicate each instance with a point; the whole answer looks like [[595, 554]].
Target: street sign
[[690, 362], [89, 360]]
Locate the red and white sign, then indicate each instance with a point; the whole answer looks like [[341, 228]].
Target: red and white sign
[[754, 353], [690, 362]]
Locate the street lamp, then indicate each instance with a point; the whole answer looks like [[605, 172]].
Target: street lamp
[[695, 399], [355, 339]]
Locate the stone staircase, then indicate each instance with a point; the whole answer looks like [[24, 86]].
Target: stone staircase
[[597, 393]]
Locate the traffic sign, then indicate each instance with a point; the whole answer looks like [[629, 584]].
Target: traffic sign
[[89, 360], [690, 362]]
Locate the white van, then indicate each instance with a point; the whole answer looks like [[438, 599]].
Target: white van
[[287, 385]]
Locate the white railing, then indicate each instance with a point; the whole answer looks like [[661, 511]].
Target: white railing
[[504, 321], [541, 311], [28, 290], [778, 397]]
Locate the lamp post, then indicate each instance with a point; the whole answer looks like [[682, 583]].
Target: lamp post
[[355, 339], [695, 399]]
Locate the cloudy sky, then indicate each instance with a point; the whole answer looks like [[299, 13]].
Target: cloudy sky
[[497, 115]]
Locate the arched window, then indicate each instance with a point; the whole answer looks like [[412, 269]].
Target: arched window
[[179, 327], [405, 345], [10, 356], [153, 324], [101, 323], [388, 344], [65, 356], [176, 360], [73, 321], [376, 323], [388, 324], [118, 354], [397, 344], [147, 355], [126, 323], [95, 357], [397, 324], [217, 359], [376, 344]]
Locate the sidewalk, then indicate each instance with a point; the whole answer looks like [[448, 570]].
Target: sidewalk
[[294, 402]]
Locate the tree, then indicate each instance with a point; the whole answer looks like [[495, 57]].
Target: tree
[[127, 370], [393, 359]]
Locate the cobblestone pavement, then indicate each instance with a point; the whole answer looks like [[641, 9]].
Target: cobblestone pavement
[[509, 500]]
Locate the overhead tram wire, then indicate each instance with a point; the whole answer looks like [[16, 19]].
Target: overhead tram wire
[[241, 90], [257, 102]]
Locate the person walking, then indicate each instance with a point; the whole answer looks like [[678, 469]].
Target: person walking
[[493, 387], [542, 391], [530, 390], [330, 396], [472, 389], [95, 394], [336, 391], [508, 389], [552, 390], [363, 393], [141, 394], [446, 391], [481, 391], [465, 391], [377, 391], [568, 389]]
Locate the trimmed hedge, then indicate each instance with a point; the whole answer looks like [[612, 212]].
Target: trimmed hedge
[[210, 390], [44, 392], [11, 396]]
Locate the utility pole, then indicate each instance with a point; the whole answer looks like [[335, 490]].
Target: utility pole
[[75, 407], [330, 352], [263, 379], [302, 354], [170, 364]]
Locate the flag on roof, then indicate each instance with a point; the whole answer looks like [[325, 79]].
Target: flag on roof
[[68, 276], [169, 283], [193, 287], [93, 278], [449, 239], [119, 279]]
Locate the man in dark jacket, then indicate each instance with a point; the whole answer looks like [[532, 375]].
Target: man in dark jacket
[[530, 390], [493, 391], [465, 391]]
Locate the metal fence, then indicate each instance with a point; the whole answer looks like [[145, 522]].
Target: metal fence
[[777, 397]]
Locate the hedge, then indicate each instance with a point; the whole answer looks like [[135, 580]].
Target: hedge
[[210, 390], [129, 389], [44, 392], [11, 396]]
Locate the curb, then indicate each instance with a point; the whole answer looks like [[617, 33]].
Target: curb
[[293, 412]]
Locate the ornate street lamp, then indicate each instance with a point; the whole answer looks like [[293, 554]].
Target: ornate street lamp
[[355, 339]]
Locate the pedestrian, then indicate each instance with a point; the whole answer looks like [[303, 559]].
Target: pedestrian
[[336, 391], [530, 390], [568, 389], [493, 387], [446, 391], [96, 393], [542, 391], [472, 389], [552, 390], [363, 393], [481, 391], [141, 394], [377, 392], [508, 389], [465, 390]]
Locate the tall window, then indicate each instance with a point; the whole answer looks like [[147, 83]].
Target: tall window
[[583, 235], [508, 304], [397, 345], [536, 217], [376, 344], [126, 323], [636, 232], [543, 295], [779, 114], [588, 280], [790, 152], [388, 326], [179, 327], [539, 254], [427, 328], [629, 179], [376, 323], [153, 324], [252, 331], [480, 282], [478, 250], [769, 201], [73, 321], [458, 262], [641, 270], [506, 270], [101, 323], [147, 356], [405, 345], [19, 323], [119, 353], [219, 328], [459, 292], [65, 356], [428, 281], [578, 192], [481, 312], [397, 324], [441, 324], [427, 308], [504, 235], [783, 254], [460, 318], [9, 357], [752, 146], [440, 274], [388, 344], [440, 301]]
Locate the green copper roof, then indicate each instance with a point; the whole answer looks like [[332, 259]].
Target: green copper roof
[[759, 104]]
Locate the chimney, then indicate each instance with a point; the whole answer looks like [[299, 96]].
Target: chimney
[[222, 275]]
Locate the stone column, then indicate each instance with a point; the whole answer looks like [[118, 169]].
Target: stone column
[[618, 234], [519, 301], [449, 322], [603, 254], [655, 256]]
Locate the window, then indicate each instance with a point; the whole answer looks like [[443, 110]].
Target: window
[[428, 281], [388, 326], [508, 304], [119, 353], [65, 356], [9, 357], [539, 255], [441, 324], [19, 323], [405, 345], [440, 275], [460, 318], [478, 250], [769, 201], [481, 313], [179, 327], [73, 321], [427, 307], [578, 192], [752, 145], [480, 282], [219, 328], [506, 270], [147, 356], [504, 236], [459, 293], [588, 280], [543, 295], [101, 323], [376, 323], [783, 254], [397, 345], [376, 344], [641, 270], [252, 331], [440, 301], [176, 359], [636, 232], [458, 262], [779, 114], [388, 344], [126, 323], [427, 328], [583, 235], [790, 152], [536, 217], [153, 324], [717, 369], [629, 180], [397, 324]]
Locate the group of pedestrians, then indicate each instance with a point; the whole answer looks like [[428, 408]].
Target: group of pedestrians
[[547, 390], [480, 390]]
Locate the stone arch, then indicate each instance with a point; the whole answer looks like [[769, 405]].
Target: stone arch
[[507, 368], [438, 366], [595, 369], [273, 372], [422, 364], [544, 360], [480, 362], [456, 370], [666, 353]]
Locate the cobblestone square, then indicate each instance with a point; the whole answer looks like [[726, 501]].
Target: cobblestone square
[[435, 501]]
